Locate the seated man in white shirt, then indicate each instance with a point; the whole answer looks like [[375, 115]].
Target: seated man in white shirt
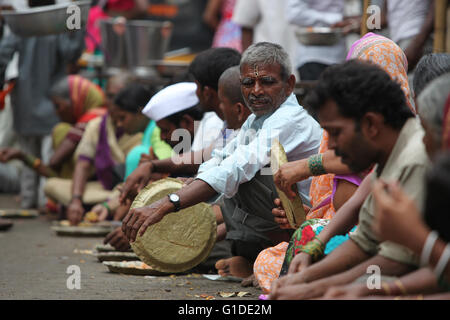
[[238, 170]]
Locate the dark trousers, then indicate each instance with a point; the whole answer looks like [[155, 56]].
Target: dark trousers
[[248, 217]]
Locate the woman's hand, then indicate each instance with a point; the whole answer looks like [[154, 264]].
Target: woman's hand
[[289, 174], [101, 211], [300, 262], [75, 212]]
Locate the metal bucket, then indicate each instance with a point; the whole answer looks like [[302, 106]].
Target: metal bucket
[[147, 42], [46, 20], [140, 45]]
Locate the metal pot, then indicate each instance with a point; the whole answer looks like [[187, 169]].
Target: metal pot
[[137, 46], [45, 20], [319, 36], [147, 42]]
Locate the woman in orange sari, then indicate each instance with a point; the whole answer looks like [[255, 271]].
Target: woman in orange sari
[[330, 175]]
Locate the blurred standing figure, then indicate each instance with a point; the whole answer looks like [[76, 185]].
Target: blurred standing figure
[[313, 60], [227, 33], [411, 23], [42, 61], [264, 21]]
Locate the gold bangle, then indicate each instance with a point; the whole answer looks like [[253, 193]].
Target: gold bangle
[[386, 288], [402, 288]]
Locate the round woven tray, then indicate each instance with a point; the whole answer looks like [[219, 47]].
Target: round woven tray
[[181, 240]]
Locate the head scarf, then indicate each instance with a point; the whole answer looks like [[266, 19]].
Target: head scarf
[[386, 54], [84, 96]]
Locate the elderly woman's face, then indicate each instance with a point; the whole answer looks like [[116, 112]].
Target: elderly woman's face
[[263, 88], [64, 109]]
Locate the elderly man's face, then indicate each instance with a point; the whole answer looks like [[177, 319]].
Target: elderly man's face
[[263, 88]]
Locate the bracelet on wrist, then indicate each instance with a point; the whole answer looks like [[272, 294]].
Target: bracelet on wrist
[[106, 205], [76, 197], [402, 288], [315, 165], [387, 290], [29, 160], [315, 249], [428, 248], [443, 261]]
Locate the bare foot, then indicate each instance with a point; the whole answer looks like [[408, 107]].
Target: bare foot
[[250, 281], [235, 266]]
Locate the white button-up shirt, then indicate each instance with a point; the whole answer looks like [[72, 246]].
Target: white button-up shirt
[[244, 156]]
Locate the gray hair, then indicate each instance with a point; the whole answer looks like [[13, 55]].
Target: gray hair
[[267, 53], [60, 89], [431, 104]]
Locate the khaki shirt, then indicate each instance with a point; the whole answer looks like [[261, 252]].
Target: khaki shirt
[[407, 164]]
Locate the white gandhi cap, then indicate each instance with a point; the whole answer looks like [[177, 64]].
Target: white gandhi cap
[[171, 100]]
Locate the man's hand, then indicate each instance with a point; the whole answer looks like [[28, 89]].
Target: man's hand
[[289, 174], [75, 212], [299, 291], [351, 291], [139, 219], [349, 24], [136, 181], [280, 214], [300, 262], [117, 239]]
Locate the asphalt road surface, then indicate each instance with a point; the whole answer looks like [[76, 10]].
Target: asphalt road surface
[[34, 264]]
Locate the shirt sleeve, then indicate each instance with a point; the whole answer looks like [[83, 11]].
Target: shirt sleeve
[[88, 143], [298, 12], [246, 13], [412, 181], [161, 149], [241, 164]]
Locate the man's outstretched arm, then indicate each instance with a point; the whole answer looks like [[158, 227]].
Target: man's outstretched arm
[[139, 219]]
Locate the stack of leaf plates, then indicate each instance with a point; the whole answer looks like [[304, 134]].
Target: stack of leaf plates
[[132, 267], [181, 240]]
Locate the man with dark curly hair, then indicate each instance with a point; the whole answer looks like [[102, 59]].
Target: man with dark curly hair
[[368, 121]]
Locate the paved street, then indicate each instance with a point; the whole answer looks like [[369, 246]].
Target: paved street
[[34, 261]]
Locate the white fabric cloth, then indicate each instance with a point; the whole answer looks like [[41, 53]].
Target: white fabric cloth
[[207, 131], [171, 100], [406, 17], [317, 13], [243, 157], [268, 20]]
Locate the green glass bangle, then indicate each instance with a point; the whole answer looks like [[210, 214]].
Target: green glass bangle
[[315, 165], [105, 204], [28, 159]]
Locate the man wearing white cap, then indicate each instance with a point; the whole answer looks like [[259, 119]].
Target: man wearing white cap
[[176, 107]]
